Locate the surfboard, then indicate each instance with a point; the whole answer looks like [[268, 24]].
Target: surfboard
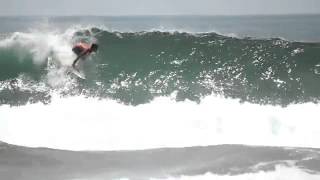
[[77, 73]]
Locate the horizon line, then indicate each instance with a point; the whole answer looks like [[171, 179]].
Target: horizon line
[[136, 15]]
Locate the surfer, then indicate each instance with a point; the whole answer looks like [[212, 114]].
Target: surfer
[[82, 50]]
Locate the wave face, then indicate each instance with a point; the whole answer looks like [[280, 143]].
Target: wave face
[[134, 68]]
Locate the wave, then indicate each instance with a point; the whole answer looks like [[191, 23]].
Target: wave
[[136, 67], [156, 89]]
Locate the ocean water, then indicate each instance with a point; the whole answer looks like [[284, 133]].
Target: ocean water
[[163, 82]]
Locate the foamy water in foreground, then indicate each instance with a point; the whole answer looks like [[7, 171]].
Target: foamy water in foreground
[[279, 174], [80, 123]]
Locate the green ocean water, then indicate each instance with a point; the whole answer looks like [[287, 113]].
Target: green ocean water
[[135, 67]]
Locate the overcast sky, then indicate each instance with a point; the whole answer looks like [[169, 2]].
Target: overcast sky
[[154, 7]]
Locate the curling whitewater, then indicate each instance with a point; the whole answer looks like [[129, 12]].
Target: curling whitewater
[[82, 123]]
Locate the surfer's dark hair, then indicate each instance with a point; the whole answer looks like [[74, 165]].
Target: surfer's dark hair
[[94, 47]]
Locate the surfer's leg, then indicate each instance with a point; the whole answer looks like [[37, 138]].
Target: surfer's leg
[[74, 63]]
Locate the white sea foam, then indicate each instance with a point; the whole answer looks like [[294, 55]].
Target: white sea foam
[[80, 123], [42, 45], [281, 173], [51, 47]]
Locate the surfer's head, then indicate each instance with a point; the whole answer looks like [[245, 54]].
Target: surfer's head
[[94, 47]]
